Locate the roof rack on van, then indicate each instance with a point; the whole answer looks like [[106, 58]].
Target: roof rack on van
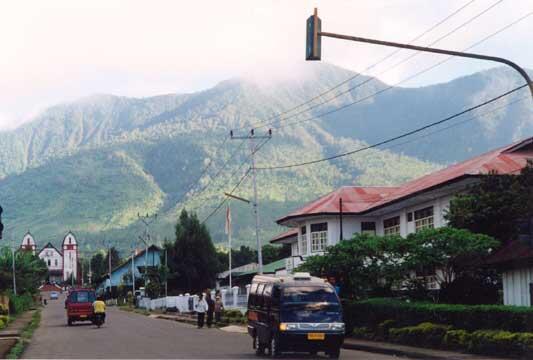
[[302, 276]]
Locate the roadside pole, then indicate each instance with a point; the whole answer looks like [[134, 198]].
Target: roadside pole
[[253, 149], [14, 268]]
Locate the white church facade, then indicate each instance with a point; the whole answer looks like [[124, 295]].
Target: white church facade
[[62, 264]]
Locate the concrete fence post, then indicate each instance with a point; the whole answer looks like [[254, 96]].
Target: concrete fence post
[[235, 290], [223, 294]]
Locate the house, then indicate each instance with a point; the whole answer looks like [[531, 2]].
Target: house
[[121, 275], [515, 262], [223, 277], [61, 264], [415, 205]]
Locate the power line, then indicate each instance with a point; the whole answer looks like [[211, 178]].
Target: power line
[[396, 137], [404, 80], [225, 198], [389, 68], [388, 56]]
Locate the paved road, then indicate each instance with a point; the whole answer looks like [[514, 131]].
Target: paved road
[[128, 335]]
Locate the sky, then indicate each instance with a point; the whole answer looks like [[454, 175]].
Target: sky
[[57, 51]]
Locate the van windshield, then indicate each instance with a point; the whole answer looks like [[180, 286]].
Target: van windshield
[[310, 304]]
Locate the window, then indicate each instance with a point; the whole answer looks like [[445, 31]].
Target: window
[[391, 226], [252, 297], [319, 237], [49, 262], [424, 219], [303, 241], [55, 262], [368, 227]]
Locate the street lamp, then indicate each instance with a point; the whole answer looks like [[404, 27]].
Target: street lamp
[[314, 34]]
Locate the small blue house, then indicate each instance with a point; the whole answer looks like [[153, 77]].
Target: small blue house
[[121, 275]]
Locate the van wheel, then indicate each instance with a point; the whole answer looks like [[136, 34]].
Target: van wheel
[[69, 322], [259, 349], [273, 348]]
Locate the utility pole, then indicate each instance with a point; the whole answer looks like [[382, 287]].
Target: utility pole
[[90, 272], [147, 220], [166, 270], [14, 268], [314, 44], [253, 149]]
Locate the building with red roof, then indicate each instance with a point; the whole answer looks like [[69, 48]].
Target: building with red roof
[[417, 204]]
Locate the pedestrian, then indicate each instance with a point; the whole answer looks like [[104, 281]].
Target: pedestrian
[[201, 308], [210, 309], [219, 306]]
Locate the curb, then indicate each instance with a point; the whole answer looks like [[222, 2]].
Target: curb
[[394, 352]]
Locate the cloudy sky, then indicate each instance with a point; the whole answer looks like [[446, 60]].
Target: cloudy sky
[[57, 51]]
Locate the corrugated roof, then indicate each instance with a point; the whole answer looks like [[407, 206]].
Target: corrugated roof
[[512, 252], [359, 200], [285, 235]]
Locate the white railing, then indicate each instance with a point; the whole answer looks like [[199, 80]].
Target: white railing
[[293, 262], [232, 299]]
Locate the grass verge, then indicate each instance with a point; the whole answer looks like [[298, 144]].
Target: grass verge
[[25, 337]]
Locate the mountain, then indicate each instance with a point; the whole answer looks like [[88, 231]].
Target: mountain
[[92, 165]]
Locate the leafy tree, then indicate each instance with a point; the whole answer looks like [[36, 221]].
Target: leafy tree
[[192, 259], [98, 266], [495, 205], [30, 271], [244, 255], [455, 252], [273, 253], [115, 258], [363, 264]]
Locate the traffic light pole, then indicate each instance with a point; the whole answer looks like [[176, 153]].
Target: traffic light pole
[[317, 34]]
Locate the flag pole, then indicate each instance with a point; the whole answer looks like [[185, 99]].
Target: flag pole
[[228, 225]]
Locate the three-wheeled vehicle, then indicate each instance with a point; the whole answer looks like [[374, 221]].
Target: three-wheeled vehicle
[[79, 305], [296, 313]]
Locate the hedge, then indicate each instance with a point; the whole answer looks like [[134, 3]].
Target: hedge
[[485, 342], [371, 312]]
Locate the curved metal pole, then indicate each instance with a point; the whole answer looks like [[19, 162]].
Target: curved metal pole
[[515, 66]]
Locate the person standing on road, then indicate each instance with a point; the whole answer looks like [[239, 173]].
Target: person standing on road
[[201, 308], [219, 306], [210, 309]]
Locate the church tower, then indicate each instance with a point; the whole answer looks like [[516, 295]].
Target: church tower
[[28, 243], [70, 256]]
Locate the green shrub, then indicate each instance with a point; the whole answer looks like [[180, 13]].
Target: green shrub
[[363, 333], [382, 331], [2, 324], [457, 339], [468, 317], [424, 334], [20, 303], [497, 342], [4, 318]]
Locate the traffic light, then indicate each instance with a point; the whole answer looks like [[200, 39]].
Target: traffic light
[[313, 48]]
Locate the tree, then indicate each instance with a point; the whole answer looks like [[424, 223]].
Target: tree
[[453, 251], [273, 253], [115, 258], [362, 265], [98, 266], [30, 271], [495, 205], [192, 259]]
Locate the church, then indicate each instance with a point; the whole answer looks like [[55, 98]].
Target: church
[[62, 264]]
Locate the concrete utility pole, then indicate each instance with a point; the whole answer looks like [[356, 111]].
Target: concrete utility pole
[[147, 220], [314, 47], [14, 268], [253, 149]]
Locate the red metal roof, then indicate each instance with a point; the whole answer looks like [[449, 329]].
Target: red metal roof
[[285, 235], [512, 252], [358, 200]]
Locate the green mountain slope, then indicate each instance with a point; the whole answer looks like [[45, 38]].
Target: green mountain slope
[[92, 165]]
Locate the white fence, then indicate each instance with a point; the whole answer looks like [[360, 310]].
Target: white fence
[[232, 299]]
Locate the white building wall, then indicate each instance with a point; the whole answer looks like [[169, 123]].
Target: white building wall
[[50, 255], [516, 286]]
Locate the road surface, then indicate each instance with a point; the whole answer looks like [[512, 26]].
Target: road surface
[[130, 335]]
